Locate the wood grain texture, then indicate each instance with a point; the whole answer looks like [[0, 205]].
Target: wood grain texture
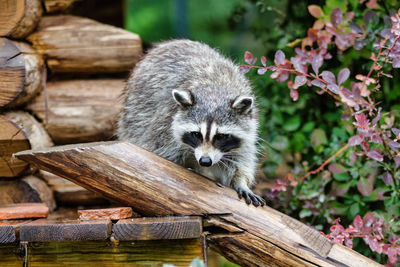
[[22, 73], [9, 230], [81, 45], [46, 230], [106, 213], [19, 131], [23, 211], [57, 5], [80, 110], [26, 189], [18, 18], [154, 186], [104, 253], [67, 193], [157, 228]]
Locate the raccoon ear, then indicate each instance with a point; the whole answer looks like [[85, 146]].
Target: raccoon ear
[[243, 104], [183, 98]]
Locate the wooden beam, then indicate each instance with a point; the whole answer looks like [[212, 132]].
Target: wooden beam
[[9, 230], [154, 186], [157, 228], [81, 45], [79, 111], [103, 253], [47, 230]]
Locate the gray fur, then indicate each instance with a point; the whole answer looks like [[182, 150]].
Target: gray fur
[[210, 84]]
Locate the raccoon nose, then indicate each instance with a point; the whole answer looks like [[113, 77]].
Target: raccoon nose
[[205, 161]]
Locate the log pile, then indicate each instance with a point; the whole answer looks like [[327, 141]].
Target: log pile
[[51, 92]]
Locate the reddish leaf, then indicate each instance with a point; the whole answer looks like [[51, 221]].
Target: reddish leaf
[[244, 69], [365, 187], [336, 168], [318, 83], [397, 162], [375, 154], [333, 88], [355, 140], [336, 17], [349, 242], [315, 11], [393, 145], [396, 62], [317, 63], [329, 77], [358, 222], [248, 57], [263, 61], [279, 57], [343, 75], [387, 178], [299, 81], [368, 16], [396, 131], [261, 71], [294, 94]]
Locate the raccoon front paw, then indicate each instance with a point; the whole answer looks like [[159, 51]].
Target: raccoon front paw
[[250, 197]]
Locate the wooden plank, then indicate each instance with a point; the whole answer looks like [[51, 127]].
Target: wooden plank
[[46, 230], [157, 228], [9, 230], [104, 253], [155, 186], [23, 211], [108, 213]]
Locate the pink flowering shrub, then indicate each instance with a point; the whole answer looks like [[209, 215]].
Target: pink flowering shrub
[[374, 142]]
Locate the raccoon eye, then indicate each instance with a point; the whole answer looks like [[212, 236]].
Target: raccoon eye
[[221, 137], [196, 135]]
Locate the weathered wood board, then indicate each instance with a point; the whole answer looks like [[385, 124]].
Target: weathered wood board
[[153, 186]]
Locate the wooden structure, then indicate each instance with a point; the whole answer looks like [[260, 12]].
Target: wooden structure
[[51, 92], [62, 239], [154, 186], [70, 102]]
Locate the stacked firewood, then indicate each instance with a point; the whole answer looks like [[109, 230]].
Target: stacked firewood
[[51, 93]]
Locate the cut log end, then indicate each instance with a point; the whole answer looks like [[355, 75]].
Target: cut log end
[[18, 18], [21, 74], [20, 131]]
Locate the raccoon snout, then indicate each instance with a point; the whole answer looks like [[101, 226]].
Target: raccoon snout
[[205, 161]]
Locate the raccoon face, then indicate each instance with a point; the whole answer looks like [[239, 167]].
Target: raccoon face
[[211, 138]]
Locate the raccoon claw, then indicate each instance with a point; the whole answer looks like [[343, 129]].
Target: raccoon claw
[[251, 197]]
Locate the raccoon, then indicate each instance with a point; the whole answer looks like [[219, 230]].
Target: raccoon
[[189, 104]]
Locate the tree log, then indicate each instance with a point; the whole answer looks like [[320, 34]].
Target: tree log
[[154, 186], [67, 193], [75, 44], [22, 73], [28, 189], [18, 18], [19, 131], [57, 5], [80, 110]]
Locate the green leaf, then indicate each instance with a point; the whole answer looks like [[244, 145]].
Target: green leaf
[[318, 138], [280, 143], [299, 141], [339, 189], [354, 210], [308, 127], [292, 124], [305, 213], [341, 177]]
